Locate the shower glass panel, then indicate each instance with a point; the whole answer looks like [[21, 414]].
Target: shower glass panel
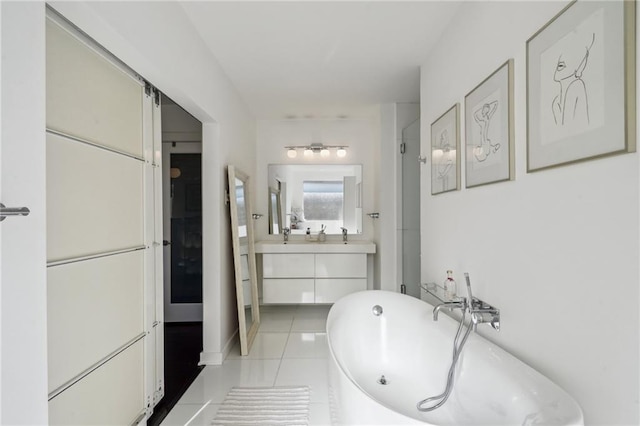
[[411, 209]]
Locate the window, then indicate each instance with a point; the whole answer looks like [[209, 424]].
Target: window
[[322, 200]]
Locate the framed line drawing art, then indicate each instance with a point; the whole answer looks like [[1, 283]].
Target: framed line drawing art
[[445, 145], [581, 85], [489, 131]]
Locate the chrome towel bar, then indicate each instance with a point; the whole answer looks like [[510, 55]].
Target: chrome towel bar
[[12, 211]]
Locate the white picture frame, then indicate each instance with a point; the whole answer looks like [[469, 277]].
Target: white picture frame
[[581, 85], [489, 130], [445, 146]]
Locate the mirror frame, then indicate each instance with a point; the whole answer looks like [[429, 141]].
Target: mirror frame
[[276, 192], [246, 336]]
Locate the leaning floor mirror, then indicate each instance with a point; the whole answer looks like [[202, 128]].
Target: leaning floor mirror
[[244, 258]]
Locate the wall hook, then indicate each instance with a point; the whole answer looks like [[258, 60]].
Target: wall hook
[[256, 216], [422, 159], [374, 215]]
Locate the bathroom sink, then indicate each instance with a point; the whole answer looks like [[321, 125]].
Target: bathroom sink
[[302, 246]]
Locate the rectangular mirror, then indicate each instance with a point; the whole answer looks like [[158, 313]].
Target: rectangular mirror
[[313, 195], [244, 258]]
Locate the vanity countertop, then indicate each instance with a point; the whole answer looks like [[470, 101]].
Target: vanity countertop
[[301, 246]]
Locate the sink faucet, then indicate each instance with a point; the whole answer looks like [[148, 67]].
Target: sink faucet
[[285, 233], [344, 234]]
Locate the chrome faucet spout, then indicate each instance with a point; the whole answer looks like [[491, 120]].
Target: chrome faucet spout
[[285, 233], [454, 305], [344, 234]]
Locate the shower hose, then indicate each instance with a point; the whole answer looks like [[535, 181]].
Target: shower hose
[[438, 401]]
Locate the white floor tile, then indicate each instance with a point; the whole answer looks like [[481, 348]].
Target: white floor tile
[[312, 310], [307, 345], [290, 349], [265, 346], [310, 372], [280, 309], [311, 318], [309, 324], [192, 415], [274, 321], [213, 383]]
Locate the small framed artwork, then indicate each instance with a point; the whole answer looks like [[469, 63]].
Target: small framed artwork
[[488, 111], [581, 85], [445, 145]]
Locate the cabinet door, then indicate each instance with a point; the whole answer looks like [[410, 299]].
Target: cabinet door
[[341, 265], [288, 290], [329, 290], [288, 265]]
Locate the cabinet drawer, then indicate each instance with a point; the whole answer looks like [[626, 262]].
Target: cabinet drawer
[[290, 265], [288, 290], [329, 290], [341, 265]]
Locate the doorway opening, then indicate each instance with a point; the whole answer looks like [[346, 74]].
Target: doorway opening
[[182, 257]]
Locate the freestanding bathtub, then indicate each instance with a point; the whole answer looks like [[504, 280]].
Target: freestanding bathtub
[[414, 353]]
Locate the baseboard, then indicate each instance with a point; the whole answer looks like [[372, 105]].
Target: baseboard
[[211, 358], [216, 358], [230, 343]]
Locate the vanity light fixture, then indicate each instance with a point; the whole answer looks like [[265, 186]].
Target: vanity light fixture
[[316, 148]]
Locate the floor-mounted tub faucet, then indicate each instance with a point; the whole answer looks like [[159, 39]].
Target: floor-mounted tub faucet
[[344, 234]]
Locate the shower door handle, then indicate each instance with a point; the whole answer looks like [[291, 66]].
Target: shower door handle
[[12, 211]]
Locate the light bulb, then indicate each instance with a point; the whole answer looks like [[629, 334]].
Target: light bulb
[[324, 152], [308, 152], [292, 153], [341, 152]]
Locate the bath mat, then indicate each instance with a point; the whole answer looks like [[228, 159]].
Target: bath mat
[[277, 406]]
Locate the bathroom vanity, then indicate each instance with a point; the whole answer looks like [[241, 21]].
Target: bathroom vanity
[[306, 272]]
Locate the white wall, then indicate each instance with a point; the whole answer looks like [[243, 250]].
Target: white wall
[[557, 250], [360, 135], [23, 336], [157, 40]]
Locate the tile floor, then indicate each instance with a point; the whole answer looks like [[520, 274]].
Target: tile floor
[[290, 349]]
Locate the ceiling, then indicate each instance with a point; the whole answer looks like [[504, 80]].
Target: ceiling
[[303, 59]]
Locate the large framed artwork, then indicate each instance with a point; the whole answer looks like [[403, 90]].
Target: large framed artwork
[[581, 85], [489, 131], [445, 145]]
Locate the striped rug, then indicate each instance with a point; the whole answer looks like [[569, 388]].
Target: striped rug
[[277, 406]]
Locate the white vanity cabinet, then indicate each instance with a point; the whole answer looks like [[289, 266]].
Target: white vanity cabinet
[[304, 275], [337, 275], [288, 278]]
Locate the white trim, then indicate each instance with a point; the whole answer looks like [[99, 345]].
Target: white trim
[[211, 358], [216, 358]]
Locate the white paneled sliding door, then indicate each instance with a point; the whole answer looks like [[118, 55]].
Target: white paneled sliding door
[[103, 210]]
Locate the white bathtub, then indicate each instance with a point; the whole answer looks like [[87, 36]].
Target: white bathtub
[[414, 353]]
